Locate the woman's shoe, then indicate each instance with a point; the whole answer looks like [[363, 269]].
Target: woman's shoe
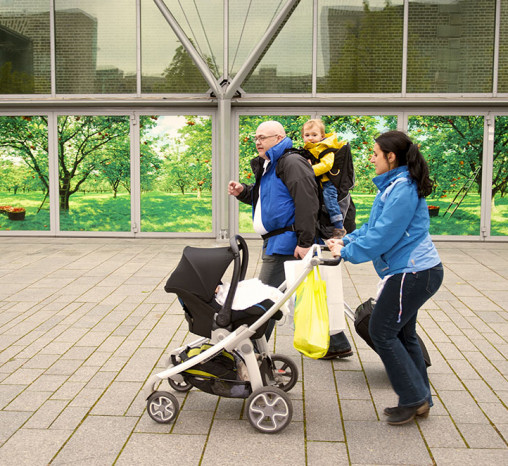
[[402, 415]]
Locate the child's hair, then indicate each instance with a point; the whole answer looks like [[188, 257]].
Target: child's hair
[[409, 154], [316, 122]]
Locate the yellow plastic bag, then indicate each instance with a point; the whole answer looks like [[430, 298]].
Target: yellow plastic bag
[[312, 331]]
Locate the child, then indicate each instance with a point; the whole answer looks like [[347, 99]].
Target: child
[[316, 142]]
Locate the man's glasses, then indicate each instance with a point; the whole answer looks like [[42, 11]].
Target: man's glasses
[[262, 138]]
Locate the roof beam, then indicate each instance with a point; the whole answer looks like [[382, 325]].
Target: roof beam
[[187, 44]]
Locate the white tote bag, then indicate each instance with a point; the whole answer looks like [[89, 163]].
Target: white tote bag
[[334, 291]]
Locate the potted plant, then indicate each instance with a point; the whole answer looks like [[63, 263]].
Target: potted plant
[[16, 213], [433, 210]]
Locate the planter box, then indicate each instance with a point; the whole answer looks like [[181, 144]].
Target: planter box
[[433, 212], [16, 215]]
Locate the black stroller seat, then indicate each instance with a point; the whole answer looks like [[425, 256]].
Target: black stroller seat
[[195, 281]]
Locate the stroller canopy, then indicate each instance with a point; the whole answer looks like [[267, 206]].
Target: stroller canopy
[[199, 271]]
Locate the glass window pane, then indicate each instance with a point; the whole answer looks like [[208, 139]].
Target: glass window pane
[[453, 148], [24, 182], [95, 46], [94, 173], [246, 30], [360, 132], [360, 46], [499, 214], [452, 49], [248, 125], [176, 173], [25, 63], [166, 66], [502, 75], [286, 67]]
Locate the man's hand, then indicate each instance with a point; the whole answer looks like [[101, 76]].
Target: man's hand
[[300, 252], [335, 246], [235, 188]]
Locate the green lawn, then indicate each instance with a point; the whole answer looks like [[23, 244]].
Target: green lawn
[[464, 221], [163, 212]]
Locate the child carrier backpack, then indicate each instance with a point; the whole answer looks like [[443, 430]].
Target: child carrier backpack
[[342, 175]]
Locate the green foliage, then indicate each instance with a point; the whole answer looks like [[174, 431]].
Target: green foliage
[[453, 148]]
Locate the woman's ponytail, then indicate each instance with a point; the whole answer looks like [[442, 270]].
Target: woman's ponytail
[[408, 154]]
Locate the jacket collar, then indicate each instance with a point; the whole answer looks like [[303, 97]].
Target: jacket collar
[[382, 181], [275, 152]]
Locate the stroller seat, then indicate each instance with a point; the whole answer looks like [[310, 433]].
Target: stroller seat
[[195, 280]]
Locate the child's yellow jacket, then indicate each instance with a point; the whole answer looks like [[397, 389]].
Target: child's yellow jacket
[[325, 163]]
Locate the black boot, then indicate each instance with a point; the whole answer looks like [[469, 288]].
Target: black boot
[[402, 415], [422, 411]]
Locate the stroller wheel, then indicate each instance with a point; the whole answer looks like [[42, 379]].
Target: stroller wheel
[[269, 410], [162, 407], [285, 372], [179, 386]]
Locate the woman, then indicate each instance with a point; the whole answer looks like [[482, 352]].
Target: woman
[[396, 239]]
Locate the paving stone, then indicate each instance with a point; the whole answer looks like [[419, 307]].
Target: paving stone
[[469, 456], [327, 454], [440, 431], [46, 414], [10, 422], [32, 447], [481, 436], [248, 446], [117, 399], [367, 443], [462, 407], [98, 440], [322, 416]]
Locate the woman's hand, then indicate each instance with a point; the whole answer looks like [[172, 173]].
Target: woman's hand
[[335, 246]]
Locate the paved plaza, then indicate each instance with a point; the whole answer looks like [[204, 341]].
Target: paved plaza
[[85, 322]]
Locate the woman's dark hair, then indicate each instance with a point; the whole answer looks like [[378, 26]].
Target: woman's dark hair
[[409, 154]]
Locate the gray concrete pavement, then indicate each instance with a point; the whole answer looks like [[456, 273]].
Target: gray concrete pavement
[[84, 323]]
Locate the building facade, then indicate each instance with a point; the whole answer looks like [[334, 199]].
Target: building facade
[[129, 117]]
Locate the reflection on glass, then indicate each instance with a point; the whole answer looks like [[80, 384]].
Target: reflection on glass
[[286, 67], [95, 46], [502, 74], [360, 46], [176, 173], [452, 50], [499, 214], [25, 47], [360, 131], [94, 173], [247, 28], [453, 148], [166, 66], [24, 182], [248, 125]]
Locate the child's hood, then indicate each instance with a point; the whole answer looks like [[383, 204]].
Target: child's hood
[[330, 141]]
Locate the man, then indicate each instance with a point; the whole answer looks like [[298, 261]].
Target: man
[[285, 204]]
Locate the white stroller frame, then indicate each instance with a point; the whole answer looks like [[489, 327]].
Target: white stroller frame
[[269, 408]]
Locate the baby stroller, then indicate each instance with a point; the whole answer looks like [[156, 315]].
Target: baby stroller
[[230, 340]]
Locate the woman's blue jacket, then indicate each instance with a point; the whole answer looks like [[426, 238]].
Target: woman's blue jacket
[[396, 237]]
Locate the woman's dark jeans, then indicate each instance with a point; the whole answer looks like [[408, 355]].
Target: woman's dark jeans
[[394, 335]]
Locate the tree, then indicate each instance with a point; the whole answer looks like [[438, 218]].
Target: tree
[[182, 75], [196, 140], [81, 144], [26, 137], [453, 147]]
